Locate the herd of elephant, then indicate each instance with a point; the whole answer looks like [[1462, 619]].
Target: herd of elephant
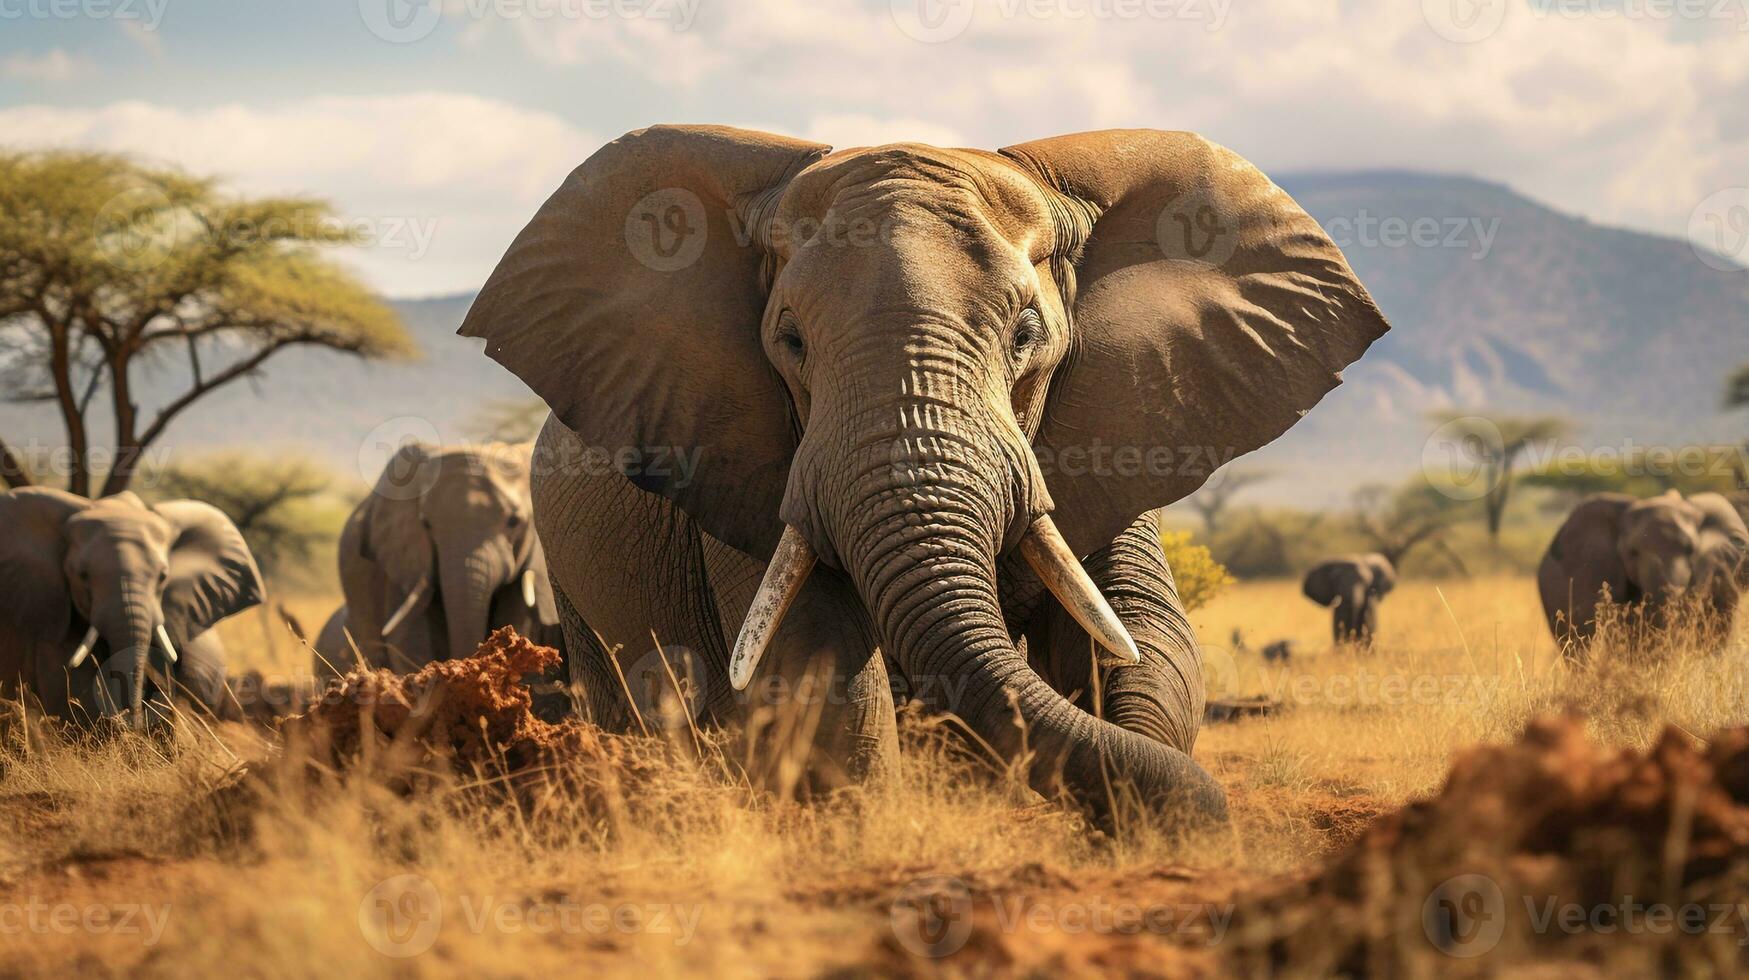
[[894, 431], [1646, 556]]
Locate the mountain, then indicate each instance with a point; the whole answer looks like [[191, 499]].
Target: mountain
[[1497, 303], [1501, 305]]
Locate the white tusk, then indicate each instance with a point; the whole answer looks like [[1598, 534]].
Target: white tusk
[[528, 588], [164, 641], [84, 650], [406, 606], [784, 577], [1056, 566]]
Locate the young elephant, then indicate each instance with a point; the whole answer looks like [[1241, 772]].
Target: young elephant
[[826, 411], [1647, 552], [1352, 587], [109, 603], [440, 553]]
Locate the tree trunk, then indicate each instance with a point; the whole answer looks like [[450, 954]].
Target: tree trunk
[[72, 417], [127, 441]]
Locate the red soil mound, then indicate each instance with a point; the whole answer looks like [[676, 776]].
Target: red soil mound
[[473, 716], [1552, 849]]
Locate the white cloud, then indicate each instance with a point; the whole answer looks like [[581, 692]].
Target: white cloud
[[55, 65], [1629, 119], [463, 172]]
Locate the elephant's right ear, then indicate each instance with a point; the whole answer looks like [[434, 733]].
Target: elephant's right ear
[[32, 551], [1587, 549], [1327, 581], [391, 530], [632, 302]]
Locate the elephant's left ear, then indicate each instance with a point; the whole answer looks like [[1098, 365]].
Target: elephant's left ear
[[1203, 299], [212, 573]]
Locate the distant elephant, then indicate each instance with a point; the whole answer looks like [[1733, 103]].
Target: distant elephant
[[108, 604], [1646, 552], [1352, 587], [440, 553], [905, 405]]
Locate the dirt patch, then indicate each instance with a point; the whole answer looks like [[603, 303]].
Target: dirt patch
[[471, 718], [1554, 849]]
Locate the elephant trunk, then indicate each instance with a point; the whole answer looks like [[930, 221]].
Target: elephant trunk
[[921, 524], [129, 628], [467, 586]]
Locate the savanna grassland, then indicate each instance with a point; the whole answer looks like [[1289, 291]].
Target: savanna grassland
[[233, 860]]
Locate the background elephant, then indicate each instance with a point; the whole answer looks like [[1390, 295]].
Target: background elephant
[[440, 553], [1352, 587], [109, 602], [1647, 552], [933, 397]]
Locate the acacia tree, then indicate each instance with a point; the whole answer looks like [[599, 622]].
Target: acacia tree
[[1395, 523], [1495, 444], [107, 265], [274, 502], [1212, 501]]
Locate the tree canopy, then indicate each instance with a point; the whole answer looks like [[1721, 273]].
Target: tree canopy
[[108, 264]]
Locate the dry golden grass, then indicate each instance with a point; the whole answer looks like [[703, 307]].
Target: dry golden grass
[[279, 878]]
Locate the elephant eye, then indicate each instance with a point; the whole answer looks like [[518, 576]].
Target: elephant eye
[[1029, 330], [514, 521], [791, 340]]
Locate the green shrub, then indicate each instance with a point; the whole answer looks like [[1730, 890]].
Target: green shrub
[[1199, 577]]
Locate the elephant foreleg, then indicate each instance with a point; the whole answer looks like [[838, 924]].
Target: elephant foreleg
[[1160, 697]]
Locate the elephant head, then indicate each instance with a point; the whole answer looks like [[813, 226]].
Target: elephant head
[[106, 592], [448, 530], [1351, 587], [1353, 578], [1647, 552], [915, 365]]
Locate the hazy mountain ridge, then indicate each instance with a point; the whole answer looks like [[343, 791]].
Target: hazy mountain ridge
[[1504, 304]]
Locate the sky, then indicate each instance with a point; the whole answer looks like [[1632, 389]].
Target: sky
[[440, 125]]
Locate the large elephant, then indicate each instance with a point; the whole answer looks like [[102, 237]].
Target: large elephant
[[1647, 552], [109, 603], [838, 409], [1352, 587], [440, 553]]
